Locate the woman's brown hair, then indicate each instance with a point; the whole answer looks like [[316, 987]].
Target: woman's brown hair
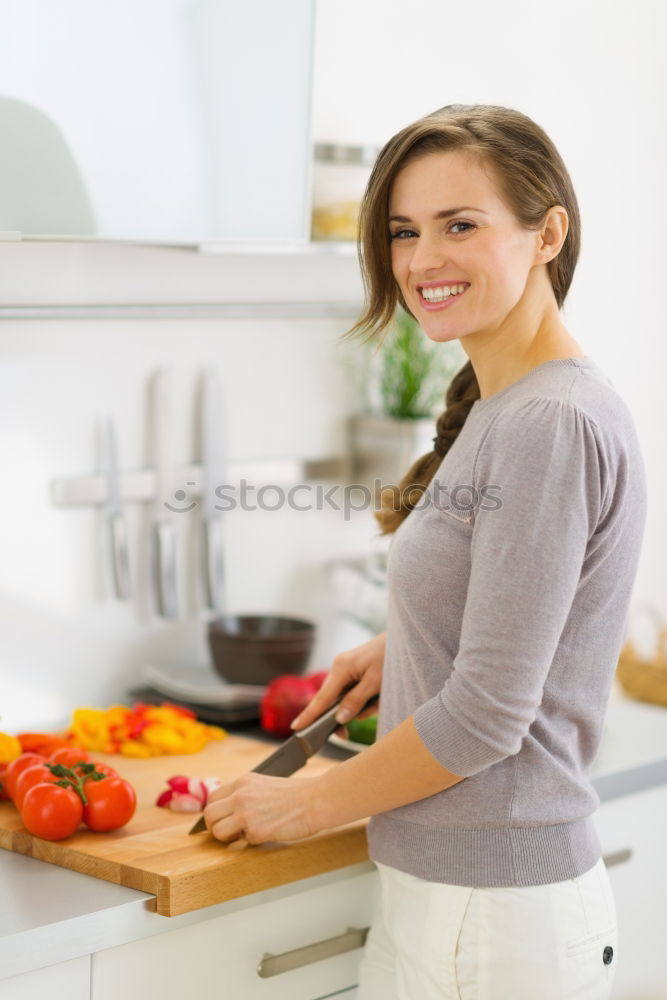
[[532, 178]]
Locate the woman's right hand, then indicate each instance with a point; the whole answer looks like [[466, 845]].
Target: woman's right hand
[[361, 666]]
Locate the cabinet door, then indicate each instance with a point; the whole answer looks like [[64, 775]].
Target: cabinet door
[[222, 957], [633, 832], [65, 981]]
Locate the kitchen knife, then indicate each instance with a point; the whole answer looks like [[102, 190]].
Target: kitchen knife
[[296, 750], [115, 519], [164, 543], [213, 473]]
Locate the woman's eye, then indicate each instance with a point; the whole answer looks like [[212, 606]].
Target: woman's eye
[[468, 225], [402, 234]]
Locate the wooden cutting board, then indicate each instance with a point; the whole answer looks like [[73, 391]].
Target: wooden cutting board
[[154, 852]]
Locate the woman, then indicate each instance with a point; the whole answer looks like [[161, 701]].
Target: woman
[[510, 575]]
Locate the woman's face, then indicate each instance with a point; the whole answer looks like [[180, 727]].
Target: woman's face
[[459, 256]]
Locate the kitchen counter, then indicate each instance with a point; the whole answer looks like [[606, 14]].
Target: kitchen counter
[[51, 915]]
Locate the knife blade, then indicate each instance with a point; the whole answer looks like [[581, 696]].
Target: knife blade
[[115, 519], [296, 750], [213, 472], [164, 545]]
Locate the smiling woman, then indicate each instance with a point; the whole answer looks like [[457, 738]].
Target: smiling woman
[[505, 618]]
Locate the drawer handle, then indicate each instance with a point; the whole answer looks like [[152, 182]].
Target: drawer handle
[[274, 965], [618, 857]]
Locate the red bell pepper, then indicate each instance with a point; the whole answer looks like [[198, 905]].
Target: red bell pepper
[[284, 698]]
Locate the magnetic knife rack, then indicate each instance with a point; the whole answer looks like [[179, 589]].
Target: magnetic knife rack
[[138, 485]]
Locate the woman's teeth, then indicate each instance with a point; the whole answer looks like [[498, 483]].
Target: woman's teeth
[[442, 293]]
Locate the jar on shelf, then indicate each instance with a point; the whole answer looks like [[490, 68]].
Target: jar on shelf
[[339, 181]]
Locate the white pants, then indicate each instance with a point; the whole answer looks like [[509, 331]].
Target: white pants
[[431, 941]]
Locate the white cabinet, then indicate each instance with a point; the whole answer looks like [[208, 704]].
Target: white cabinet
[[221, 957], [65, 981], [205, 135], [638, 824]]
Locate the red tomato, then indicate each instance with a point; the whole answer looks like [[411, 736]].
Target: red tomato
[[111, 803], [27, 779], [16, 766], [51, 812], [68, 756]]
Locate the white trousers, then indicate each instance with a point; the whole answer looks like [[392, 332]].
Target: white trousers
[[431, 941]]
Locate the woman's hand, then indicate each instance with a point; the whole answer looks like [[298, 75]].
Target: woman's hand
[[361, 666], [258, 807]]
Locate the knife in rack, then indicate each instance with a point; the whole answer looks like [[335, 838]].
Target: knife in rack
[[164, 543], [213, 475], [114, 516], [296, 750]]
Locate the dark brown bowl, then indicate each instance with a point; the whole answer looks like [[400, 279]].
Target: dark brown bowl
[[253, 649]]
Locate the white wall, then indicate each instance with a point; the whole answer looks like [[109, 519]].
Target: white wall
[[591, 73]]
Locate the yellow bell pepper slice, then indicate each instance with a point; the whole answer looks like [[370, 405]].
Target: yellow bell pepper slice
[[10, 748]]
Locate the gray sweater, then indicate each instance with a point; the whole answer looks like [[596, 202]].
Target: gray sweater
[[509, 588]]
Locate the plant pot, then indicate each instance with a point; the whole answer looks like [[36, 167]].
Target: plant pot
[[384, 448]]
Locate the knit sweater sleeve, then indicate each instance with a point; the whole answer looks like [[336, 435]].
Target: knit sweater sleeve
[[545, 459]]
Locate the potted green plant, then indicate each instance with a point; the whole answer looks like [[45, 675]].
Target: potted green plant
[[402, 383]]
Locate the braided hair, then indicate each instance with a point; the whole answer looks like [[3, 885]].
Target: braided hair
[[398, 501]]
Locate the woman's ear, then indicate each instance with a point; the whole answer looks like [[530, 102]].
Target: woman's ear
[[551, 235]]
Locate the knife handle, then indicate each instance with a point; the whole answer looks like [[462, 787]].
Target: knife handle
[[165, 569], [119, 557], [213, 564], [317, 733]]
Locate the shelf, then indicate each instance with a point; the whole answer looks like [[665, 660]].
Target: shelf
[[314, 248], [215, 247], [49, 279], [189, 310]]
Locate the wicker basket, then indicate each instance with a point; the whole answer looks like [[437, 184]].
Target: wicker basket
[[645, 679]]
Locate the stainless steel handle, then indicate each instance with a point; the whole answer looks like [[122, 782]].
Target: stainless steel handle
[[119, 557], [274, 965], [617, 857], [213, 564], [165, 570]]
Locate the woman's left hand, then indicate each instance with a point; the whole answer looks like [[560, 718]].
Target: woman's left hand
[[258, 807]]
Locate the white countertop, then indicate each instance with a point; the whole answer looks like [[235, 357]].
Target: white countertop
[[635, 734], [50, 914]]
